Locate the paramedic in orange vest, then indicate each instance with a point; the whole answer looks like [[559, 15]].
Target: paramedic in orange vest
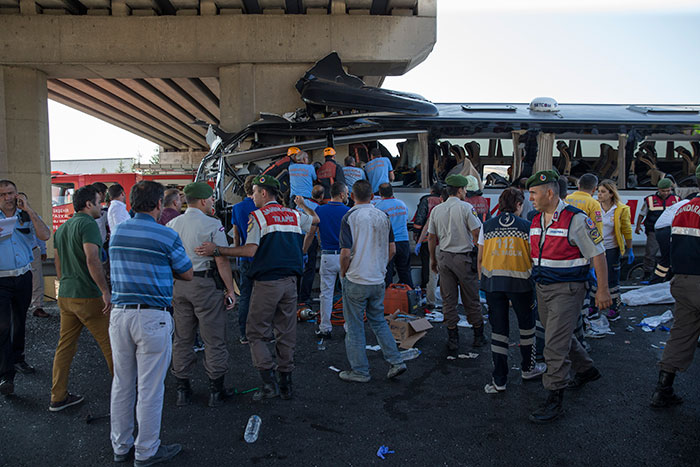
[[329, 173], [654, 205], [474, 198], [563, 241]]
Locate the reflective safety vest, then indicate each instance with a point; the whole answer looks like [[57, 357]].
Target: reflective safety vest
[[481, 205], [279, 252], [558, 260], [656, 206], [685, 239]]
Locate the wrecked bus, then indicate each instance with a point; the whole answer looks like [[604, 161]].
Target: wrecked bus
[[500, 143]]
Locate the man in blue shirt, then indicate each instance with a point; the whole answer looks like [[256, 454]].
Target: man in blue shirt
[[301, 177], [352, 173], [16, 258], [330, 216], [145, 256], [379, 169], [239, 218], [398, 215]]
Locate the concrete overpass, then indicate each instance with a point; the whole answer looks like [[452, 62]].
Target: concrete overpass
[[153, 66]]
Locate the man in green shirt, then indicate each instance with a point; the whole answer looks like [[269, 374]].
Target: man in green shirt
[[83, 295]]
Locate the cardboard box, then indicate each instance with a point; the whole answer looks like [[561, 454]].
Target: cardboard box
[[407, 329]]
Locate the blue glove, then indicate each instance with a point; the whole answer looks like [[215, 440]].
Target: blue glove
[[305, 259], [417, 250], [630, 257], [591, 272]]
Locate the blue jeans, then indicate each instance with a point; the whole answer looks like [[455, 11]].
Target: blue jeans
[[246, 288], [369, 299]]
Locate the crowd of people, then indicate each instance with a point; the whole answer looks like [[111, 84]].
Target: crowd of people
[[145, 282]]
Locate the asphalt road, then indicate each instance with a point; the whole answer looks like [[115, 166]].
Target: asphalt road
[[435, 414]]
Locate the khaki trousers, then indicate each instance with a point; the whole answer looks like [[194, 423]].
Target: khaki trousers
[[683, 340], [559, 307], [77, 313], [273, 306], [456, 273], [199, 302]]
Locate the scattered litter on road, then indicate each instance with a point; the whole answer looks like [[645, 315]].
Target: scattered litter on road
[[657, 347], [598, 328], [651, 323], [320, 345], [515, 367], [468, 355], [463, 323], [627, 342], [383, 450], [410, 354], [451, 357], [629, 329], [334, 369], [435, 316], [648, 295], [236, 391], [373, 347]]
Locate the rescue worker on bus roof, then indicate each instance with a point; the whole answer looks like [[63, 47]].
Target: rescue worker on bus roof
[[562, 242], [654, 205]]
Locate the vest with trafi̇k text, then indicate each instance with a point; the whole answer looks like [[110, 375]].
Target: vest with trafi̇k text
[[279, 253], [506, 264], [481, 205], [655, 207], [558, 260], [685, 239]]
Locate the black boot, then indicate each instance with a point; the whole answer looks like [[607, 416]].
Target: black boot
[[217, 392], [269, 388], [479, 339], [550, 410], [453, 339], [184, 392], [663, 395], [285, 379]]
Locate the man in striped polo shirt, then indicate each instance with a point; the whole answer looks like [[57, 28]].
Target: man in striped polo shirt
[[144, 258]]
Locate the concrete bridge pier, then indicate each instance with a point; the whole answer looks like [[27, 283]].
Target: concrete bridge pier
[[24, 135]]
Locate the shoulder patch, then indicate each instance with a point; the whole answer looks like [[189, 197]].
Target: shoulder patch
[[593, 232], [598, 216], [250, 224], [475, 213]]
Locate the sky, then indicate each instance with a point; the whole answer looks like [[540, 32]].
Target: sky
[[593, 51]]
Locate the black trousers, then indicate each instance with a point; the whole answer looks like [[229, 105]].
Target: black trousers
[[663, 236], [15, 297], [424, 254], [524, 307], [401, 264], [307, 279]]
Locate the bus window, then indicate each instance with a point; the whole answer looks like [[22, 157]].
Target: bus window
[[62, 193]]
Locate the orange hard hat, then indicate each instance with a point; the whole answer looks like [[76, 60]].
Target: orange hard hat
[[329, 152], [293, 150]]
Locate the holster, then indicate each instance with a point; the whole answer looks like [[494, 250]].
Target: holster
[[474, 255], [218, 281]]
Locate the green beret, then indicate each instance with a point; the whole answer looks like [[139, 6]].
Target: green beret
[[664, 183], [456, 180], [542, 177], [267, 180], [198, 190]]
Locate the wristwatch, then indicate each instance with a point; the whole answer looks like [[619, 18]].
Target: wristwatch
[[216, 252]]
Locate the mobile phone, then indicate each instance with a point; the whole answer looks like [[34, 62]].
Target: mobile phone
[[229, 301]]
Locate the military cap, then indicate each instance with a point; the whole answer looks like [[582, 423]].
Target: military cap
[[472, 183], [664, 183], [542, 177], [198, 190], [267, 180], [456, 180]]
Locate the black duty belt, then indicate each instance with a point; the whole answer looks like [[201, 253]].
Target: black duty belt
[[138, 306], [207, 273]]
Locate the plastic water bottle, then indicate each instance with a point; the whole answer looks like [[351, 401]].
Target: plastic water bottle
[[410, 354], [252, 429]]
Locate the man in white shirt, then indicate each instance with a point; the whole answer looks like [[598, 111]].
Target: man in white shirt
[[117, 212]]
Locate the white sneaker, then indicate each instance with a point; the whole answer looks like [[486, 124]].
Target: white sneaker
[[493, 388], [536, 371]]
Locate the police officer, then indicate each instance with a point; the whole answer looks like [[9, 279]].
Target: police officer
[[201, 301], [685, 262], [455, 224], [275, 239], [562, 242], [15, 280], [654, 205]]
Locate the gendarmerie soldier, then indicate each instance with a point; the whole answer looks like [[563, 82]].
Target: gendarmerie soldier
[[563, 241]]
